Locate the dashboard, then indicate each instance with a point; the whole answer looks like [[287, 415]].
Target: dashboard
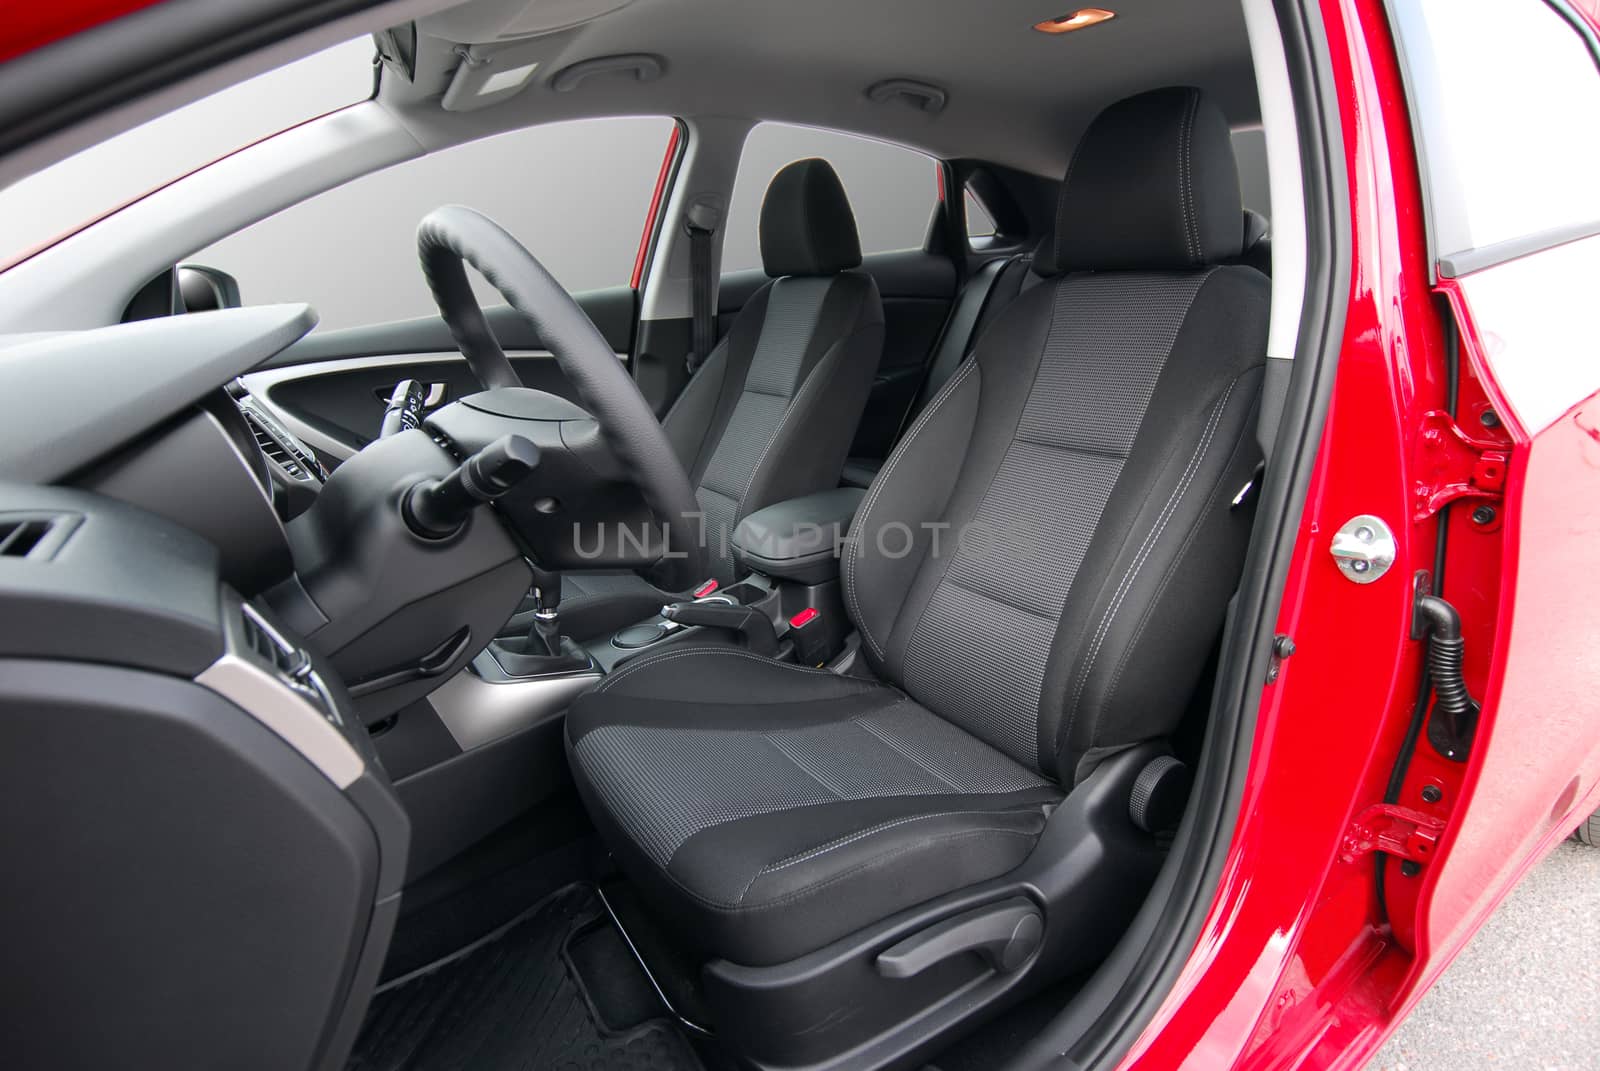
[[192, 766]]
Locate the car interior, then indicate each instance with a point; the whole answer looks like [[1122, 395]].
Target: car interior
[[797, 666]]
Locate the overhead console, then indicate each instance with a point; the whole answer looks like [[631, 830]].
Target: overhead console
[[205, 818]]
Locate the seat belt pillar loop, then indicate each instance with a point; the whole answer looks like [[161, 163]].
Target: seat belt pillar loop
[[700, 223]]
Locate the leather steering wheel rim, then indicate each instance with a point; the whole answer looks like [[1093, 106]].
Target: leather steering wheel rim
[[451, 237]]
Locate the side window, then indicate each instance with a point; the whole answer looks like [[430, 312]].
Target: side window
[[1505, 97], [892, 189], [575, 193], [1250, 153], [979, 223]]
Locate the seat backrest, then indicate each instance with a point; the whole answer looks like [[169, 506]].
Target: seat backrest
[[1047, 556], [771, 413]]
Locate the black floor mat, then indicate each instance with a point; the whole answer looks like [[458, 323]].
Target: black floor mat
[[510, 1003]]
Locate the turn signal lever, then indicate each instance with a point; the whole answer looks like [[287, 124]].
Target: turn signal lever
[[404, 408], [436, 509]]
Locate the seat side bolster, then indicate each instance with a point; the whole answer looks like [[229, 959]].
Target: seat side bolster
[[697, 419], [891, 536], [1154, 585]]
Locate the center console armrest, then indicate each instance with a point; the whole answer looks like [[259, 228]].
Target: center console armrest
[[798, 539]]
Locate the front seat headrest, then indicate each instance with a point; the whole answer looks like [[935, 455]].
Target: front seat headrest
[[1152, 186], [807, 227]]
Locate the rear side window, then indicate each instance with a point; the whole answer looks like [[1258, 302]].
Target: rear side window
[[1506, 95], [892, 189]]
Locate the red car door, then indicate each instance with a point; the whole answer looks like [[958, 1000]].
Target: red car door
[[1504, 99]]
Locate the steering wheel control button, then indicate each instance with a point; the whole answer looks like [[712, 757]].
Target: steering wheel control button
[[1363, 549]]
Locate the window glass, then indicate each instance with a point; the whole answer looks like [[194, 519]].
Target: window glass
[[1250, 153], [979, 223], [65, 196], [892, 189], [575, 193], [1506, 95]]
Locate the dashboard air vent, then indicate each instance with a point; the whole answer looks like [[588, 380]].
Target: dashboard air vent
[[276, 451], [34, 535], [289, 663]]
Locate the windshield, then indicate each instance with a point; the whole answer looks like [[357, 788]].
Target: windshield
[[50, 204]]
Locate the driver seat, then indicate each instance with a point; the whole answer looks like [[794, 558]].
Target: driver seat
[[1037, 575], [770, 414]]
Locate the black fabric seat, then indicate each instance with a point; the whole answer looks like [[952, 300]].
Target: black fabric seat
[[771, 413], [981, 300], [1037, 575], [804, 805]]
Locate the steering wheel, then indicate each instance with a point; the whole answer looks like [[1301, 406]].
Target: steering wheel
[[453, 236]]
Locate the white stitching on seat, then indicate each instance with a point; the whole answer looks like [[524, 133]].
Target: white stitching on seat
[[1145, 548], [898, 749], [1191, 231], [852, 552], [823, 849]]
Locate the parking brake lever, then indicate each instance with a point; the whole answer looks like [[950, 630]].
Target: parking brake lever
[[754, 626]]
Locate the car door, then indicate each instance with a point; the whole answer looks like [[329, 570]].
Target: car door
[[1510, 169], [577, 194]]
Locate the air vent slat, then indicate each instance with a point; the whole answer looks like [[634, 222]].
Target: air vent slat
[[273, 448], [20, 537], [292, 666]]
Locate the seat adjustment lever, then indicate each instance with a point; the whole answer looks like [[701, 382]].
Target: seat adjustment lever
[[1005, 934]]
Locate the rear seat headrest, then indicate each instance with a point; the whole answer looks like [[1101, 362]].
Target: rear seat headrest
[[807, 227], [1152, 185]]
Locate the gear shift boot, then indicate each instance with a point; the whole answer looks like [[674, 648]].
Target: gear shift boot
[[524, 657]]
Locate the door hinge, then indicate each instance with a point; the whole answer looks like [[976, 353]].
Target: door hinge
[[1398, 831], [1452, 464]]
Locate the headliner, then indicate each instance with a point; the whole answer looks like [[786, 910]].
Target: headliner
[[1016, 97]]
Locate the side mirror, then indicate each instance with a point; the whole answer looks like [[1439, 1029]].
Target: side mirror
[[205, 289]]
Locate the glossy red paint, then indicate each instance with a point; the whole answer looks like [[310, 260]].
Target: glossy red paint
[[653, 213], [29, 24], [1294, 966]]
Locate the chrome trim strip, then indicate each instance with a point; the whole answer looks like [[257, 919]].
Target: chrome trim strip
[[275, 705], [479, 712]]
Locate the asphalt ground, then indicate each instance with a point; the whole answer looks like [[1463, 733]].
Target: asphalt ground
[[1525, 992]]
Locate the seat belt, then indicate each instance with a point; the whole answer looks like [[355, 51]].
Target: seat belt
[[700, 223]]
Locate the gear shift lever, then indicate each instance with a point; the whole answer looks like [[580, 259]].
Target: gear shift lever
[[545, 635], [545, 651]]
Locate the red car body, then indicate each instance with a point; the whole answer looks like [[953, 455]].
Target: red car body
[[1298, 964], [1294, 967]]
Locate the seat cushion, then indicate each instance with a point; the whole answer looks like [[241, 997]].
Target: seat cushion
[[769, 809]]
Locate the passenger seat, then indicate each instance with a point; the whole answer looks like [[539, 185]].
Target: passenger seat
[[770, 414]]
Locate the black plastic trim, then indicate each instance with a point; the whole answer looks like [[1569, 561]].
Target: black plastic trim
[[1487, 256]]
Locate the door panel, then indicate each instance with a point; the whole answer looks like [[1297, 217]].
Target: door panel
[[331, 387], [917, 288], [611, 309], [1536, 759]]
